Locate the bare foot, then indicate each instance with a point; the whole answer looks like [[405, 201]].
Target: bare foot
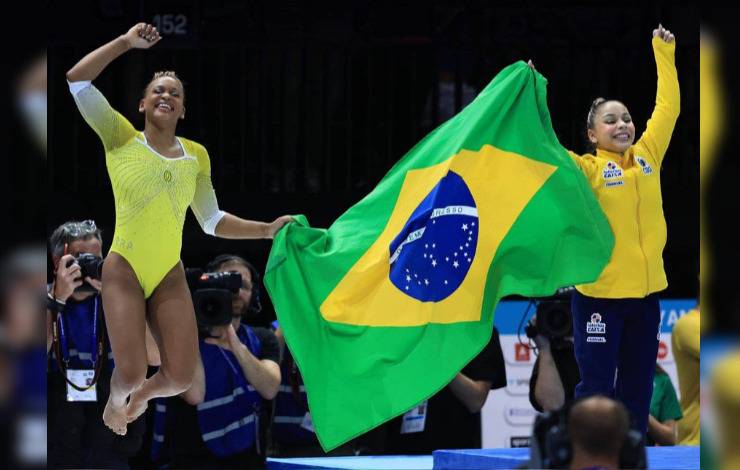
[[136, 406], [115, 418]]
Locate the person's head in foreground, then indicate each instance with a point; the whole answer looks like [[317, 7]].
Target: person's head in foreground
[[597, 427]]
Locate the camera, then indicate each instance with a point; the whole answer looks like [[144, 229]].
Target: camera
[[554, 319], [212, 296], [90, 266]]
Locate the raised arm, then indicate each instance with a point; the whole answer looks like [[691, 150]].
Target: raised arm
[[113, 129], [657, 135], [140, 36]]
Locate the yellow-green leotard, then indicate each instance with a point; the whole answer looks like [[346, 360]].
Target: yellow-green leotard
[[152, 192]]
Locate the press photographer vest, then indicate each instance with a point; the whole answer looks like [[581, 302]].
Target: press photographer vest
[[79, 337], [228, 414]]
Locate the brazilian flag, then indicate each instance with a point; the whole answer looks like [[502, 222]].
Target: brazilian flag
[[384, 308]]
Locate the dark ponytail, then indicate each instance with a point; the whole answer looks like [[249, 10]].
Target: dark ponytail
[[591, 120]]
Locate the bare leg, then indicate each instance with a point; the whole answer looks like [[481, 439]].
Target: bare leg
[[172, 322], [125, 319]]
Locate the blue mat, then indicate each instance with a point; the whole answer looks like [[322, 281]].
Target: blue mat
[[659, 458], [391, 462]]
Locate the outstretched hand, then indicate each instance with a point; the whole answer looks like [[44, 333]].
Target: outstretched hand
[[663, 34], [275, 226], [531, 65], [142, 36]]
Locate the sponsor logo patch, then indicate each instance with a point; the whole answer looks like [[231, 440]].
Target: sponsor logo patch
[[644, 165], [611, 171], [595, 326]]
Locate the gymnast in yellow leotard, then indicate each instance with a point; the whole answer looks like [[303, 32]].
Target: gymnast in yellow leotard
[[152, 192], [155, 177]]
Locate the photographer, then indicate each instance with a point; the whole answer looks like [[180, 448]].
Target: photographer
[[591, 433], [555, 373], [598, 427], [79, 353], [215, 423]]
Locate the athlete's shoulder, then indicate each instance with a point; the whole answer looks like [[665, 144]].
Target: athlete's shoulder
[[193, 147], [585, 156]]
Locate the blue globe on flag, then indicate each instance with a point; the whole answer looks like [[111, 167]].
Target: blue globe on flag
[[432, 254]]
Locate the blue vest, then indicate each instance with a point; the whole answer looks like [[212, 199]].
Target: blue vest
[[290, 409], [228, 415], [77, 319]]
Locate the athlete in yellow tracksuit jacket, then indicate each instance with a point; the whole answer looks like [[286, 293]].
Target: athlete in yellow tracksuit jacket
[[627, 187], [616, 319]]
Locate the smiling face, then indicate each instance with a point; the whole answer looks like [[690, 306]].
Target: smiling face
[[163, 101], [612, 128]]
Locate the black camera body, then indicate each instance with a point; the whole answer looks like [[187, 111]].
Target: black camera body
[[551, 445], [212, 296], [90, 266], [554, 319]]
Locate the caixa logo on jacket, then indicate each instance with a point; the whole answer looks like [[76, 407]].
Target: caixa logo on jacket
[[611, 171], [595, 326]]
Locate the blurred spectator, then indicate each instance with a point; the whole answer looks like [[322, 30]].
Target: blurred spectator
[[725, 396], [214, 424], [664, 410], [22, 356], [686, 341], [78, 346], [598, 427], [32, 100]]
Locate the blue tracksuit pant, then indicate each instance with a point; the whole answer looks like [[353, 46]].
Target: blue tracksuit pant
[[616, 346]]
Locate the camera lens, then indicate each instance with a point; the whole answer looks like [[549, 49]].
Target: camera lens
[[554, 319]]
